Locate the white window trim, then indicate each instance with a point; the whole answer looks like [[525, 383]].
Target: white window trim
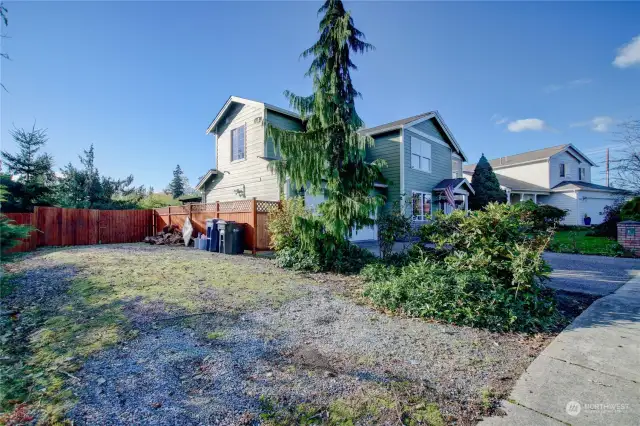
[[423, 194], [413, 138], [244, 139], [562, 170], [582, 171]]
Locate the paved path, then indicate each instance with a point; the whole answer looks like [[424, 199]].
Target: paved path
[[590, 373], [590, 274]]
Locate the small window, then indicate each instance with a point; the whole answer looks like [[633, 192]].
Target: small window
[[420, 155], [421, 203], [562, 171], [237, 144], [581, 173]]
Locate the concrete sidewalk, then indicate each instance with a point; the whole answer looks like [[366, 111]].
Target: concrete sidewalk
[[590, 373]]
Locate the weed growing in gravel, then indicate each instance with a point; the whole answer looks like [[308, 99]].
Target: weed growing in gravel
[[215, 335], [383, 404]]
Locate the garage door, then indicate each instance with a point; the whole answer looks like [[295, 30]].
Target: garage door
[[593, 204]]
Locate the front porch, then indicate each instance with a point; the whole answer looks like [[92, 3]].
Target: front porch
[[514, 197]]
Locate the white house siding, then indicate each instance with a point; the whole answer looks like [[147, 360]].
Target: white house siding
[[593, 203], [566, 201], [535, 173], [571, 169], [246, 178]]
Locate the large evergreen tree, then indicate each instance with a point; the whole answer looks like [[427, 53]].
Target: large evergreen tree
[[486, 186], [31, 171], [177, 185], [329, 155]]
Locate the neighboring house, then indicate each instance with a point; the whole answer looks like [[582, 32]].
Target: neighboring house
[[559, 176], [422, 155]]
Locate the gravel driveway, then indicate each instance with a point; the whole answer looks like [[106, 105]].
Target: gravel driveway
[[598, 275], [167, 335]]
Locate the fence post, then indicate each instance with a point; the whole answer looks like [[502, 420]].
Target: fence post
[[217, 209], [190, 217], [254, 219], [169, 216], [35, 226]]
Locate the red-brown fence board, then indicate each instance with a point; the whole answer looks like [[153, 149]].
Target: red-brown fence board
[[252, 213], [27, 244]]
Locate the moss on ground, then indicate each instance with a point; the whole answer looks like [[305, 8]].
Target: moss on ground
[[392, 403], [45, 348]]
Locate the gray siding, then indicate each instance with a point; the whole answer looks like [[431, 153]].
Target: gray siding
[[417, 180], [387, 147], [281, 121], [431, 128]]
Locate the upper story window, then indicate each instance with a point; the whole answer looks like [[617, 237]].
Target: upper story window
[[455, 169], [562, 170], [581, 173], [421, 205], [420, 155], [237, 143]]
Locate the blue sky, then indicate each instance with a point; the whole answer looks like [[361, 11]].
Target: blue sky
[[142, 80]]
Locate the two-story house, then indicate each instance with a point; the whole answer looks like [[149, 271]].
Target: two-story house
[[559, 176], [422, 155]]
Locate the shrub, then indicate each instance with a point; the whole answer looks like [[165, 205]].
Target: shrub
[[609, 226], [326, 253], [393, 225], [543, 216], [281, 223], [10, 232], [631, 209], [433, 290], [487, 270]]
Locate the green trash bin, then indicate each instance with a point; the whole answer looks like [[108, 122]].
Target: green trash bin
[[231, 237]]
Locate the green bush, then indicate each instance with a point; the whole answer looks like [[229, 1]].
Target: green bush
[[543, 216], [487, 271], [393, 224], [631, 209], [326, 253]]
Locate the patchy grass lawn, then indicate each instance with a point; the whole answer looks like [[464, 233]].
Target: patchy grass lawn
[[136, 334], [577, 241]]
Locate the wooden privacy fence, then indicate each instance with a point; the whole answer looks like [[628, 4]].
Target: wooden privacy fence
[[57, 226], [252, 213]]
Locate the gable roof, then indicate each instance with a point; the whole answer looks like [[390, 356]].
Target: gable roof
[[572, 185], [394, 125], [454, 183], [238, 100], [204, 179], [530, 157], [410, 121]]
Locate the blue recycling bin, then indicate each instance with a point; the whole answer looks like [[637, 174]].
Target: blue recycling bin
[[213, 235]]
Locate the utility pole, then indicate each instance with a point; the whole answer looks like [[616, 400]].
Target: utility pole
[[607, 167]]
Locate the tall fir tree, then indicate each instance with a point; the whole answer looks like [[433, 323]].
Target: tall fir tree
[[328, 156], [32, 171], [177, 184], [486, 186]]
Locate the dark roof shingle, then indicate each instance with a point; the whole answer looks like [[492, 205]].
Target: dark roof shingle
[[511, 160]]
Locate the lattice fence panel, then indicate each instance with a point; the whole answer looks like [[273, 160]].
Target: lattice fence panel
[[235, 206], [267, 206]]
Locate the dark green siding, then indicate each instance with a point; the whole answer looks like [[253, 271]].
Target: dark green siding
[[387, 147], [417, 180]]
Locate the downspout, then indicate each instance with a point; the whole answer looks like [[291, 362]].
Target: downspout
[[402, 167]]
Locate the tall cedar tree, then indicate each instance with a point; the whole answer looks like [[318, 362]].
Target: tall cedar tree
[[34, 172], [486, 186], [329, 155], [176, 186]]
